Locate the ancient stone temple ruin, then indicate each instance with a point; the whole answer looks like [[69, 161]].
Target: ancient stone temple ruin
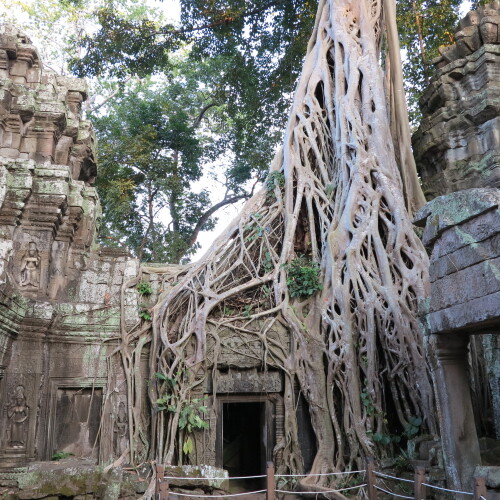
[[60, 292], [457, 149], [61, 299], [66, 302]]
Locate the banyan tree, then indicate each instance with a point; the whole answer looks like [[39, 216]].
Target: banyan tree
[[322, 268]]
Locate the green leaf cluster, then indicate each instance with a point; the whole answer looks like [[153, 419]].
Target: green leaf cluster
[[145, 315], [274, 180], [61, 455], [191, 412], [144, 288], [413, 427], [303, 277]]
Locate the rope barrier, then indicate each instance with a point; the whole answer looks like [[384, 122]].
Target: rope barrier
[[218, 496], [449, 491], [320, 492], [380, 474], [211, 478], [377, 473], [322, 474], [392, 493]]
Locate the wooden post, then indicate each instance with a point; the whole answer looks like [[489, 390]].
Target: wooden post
[[479, 488], [161, 484], [370, 479], [419, 486], [270, 480]]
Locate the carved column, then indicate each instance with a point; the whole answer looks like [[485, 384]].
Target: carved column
[[459, 436]]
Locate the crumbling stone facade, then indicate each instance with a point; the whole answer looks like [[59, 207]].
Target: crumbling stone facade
[[457, 145], [457, 150], [59, 290]]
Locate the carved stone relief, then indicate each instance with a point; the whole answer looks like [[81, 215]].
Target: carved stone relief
[[120, 431], [30, 267], [18, 415]]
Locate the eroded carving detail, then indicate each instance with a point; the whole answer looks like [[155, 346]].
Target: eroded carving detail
[[120, 442], [30, 267], [18, 418]]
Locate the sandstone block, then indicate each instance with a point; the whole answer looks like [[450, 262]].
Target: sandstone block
[[489, 29]]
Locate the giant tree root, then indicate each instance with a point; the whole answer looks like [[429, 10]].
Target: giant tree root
[[354, 347]]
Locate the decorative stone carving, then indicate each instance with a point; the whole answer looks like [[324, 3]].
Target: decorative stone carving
[[30, 267], [18, 419], [59, 293], [120, 431]]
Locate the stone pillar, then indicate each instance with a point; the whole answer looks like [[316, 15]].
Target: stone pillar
[[459, 436]]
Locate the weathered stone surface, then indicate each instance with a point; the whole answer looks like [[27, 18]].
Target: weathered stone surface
[[202, 476], [445, 212], [463, 230], [59, 290], [479, 315], [457, 143], [68, 479], [491, 474], [250, 380]]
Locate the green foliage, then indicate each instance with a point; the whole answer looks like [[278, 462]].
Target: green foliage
[[410, 431], [248, 311], [385, 439], [264, 43], [144, 288], [274, 180], [258, 47], [267, 262], [145, 315], [303, 277], [151, 152], [413, 427], [122, 45], [403, 462], [436, 21], [57, 26], [61, 455], [191, 412], [367, 402]]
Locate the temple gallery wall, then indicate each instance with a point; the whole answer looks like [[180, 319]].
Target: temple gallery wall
[[65, 299]]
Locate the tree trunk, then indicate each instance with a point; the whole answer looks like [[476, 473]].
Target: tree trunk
[[354, 346]]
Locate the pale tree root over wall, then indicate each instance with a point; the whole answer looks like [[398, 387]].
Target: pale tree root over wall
[[354, 347]]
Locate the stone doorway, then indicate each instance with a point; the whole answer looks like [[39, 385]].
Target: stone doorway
[[245, 438], [78, 415], [75, 418]]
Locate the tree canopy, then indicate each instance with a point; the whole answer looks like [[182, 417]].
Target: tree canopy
[[156, 140], [423, 25], [240, 63]]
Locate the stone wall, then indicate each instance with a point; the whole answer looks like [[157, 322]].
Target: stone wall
[[457, 150], [457, 145], [59, 290], [462, 230]]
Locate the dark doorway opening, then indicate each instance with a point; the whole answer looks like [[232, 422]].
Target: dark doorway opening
[[244, 442]]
